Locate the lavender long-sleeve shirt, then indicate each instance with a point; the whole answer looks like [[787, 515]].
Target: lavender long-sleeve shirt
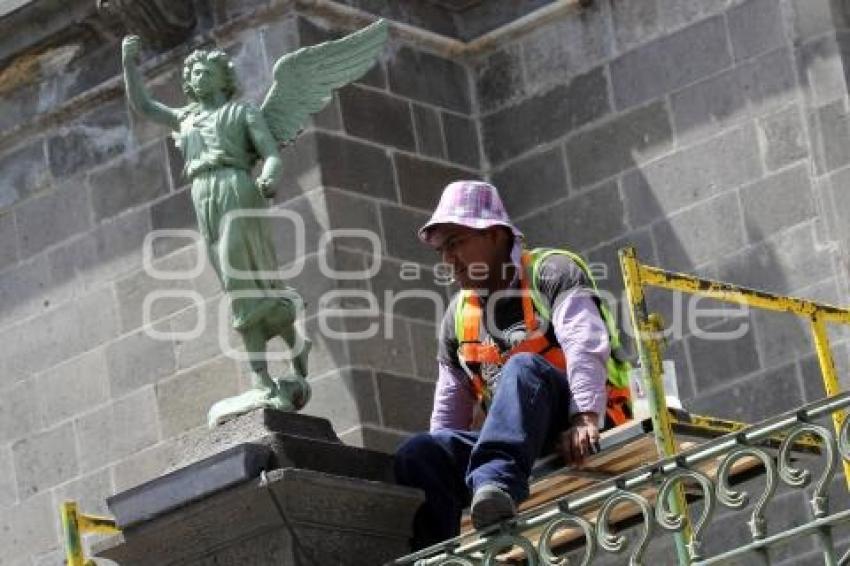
[[581, 333]]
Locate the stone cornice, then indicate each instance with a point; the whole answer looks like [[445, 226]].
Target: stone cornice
[[57, 22]]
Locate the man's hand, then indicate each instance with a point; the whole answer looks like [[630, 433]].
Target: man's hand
[[580, 440]]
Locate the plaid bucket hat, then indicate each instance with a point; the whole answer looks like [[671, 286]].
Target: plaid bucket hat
[[474, 204]]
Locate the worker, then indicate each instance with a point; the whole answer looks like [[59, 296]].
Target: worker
[[526, 344]]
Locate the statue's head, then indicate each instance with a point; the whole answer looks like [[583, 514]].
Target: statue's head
[[208, 70]]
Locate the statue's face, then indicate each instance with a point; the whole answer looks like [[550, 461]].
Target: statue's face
[[205, 79]]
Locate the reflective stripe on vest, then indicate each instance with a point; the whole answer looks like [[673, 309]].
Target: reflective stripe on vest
[[468, 322], [618, 367]]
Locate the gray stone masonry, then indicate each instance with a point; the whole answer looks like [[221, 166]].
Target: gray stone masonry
[[712, 134], [429, 134], [24, 172], [90, 140], [527, 182], [694, 236], [44, 460], [273, 520], [237, 451], [184, 399], [582, 221], [52, 218], [428, 78], [420, 181], [366, 114], [671, 62], [613, 147], [542, 118], [777, 202], [691, 175], [141, 176], [187, 485], [751, 88], [784, 138], [498, 78]]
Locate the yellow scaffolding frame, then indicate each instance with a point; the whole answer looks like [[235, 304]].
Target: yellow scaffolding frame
[[648, 327], [75, 524]]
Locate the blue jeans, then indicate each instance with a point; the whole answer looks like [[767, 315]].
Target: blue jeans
[[529, 410]]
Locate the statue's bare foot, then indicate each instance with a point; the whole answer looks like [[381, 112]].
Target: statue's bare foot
[[294, 389], [265, 393], [254, 398]]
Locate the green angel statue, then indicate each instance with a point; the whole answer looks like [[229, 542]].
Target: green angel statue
[[222, 139]]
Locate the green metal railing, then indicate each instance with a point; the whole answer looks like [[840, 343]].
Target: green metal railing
[[637, 277], [590, 511]]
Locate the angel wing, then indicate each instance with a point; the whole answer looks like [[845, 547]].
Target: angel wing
[[304, 79]]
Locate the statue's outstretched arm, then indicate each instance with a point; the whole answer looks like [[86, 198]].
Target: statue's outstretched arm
[[138, 95], [266, 147]]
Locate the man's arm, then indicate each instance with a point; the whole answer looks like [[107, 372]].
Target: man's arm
[[453, 401], [579, 329], [582, 334]]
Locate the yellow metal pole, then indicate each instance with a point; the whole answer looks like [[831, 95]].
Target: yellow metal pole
[[740, 295], [830, 380], [649, 347], [74, 524], [71, 532], [98, 525]]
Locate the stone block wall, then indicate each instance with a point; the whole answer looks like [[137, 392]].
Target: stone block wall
[[690, 131], [708, 135], [90, 401], [711, 134]]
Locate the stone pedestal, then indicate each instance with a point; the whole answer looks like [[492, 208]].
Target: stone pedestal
[[290, 493]]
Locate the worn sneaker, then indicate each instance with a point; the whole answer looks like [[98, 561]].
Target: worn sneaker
[[490, 505]]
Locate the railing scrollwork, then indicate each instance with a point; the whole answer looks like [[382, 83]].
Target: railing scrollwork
[[711, 467], [615, 543], [799, 477], [739, 499], [505, 542], [562, 520], [674, 521]]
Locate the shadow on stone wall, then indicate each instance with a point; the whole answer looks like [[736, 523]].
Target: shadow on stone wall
[[626, 124], [721, 179]]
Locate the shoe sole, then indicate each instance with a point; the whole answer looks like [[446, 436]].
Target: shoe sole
[[491, 508]]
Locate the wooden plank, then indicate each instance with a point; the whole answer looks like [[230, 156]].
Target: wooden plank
[[628, 447], [623, 448]]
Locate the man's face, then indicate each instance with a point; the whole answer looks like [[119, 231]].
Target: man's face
[[473, 255]]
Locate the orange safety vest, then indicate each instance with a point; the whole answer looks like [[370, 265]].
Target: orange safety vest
[[473, 351]]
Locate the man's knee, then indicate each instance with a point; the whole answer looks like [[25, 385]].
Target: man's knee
[[413, 452], [413, 447], [524, 366], [424, 455]]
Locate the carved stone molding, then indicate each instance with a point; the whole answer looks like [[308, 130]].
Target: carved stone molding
[[160, 23]]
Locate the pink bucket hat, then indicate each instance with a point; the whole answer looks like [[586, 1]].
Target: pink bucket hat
[[474, 204]]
